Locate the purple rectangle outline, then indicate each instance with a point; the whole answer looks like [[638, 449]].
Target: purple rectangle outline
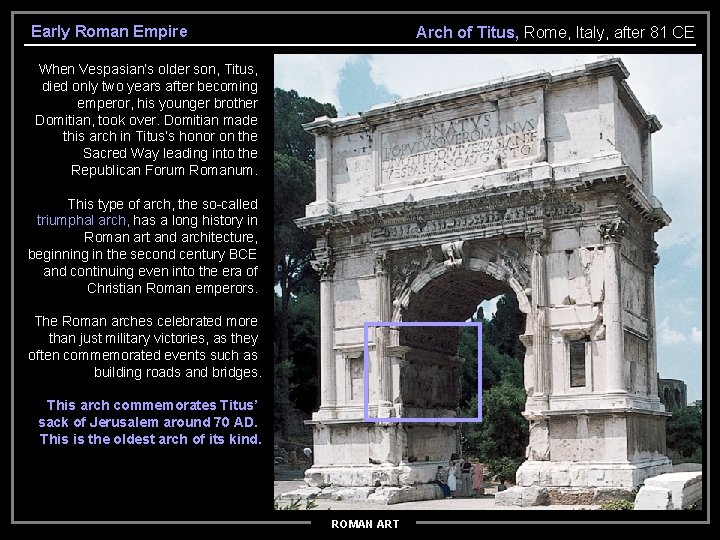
[[366, 371]]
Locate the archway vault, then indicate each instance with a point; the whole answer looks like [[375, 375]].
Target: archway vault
[[433, 283]]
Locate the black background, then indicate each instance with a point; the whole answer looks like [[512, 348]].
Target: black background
[[190, 483]]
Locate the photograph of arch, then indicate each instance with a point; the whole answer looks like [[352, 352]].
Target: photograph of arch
[[534, 188]]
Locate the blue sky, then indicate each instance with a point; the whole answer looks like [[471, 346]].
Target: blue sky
[[669, 86]]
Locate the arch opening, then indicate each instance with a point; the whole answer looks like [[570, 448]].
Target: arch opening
[[430, 382]]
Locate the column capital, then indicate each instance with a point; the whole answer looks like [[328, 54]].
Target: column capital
[[380, 263], [613, 231], [323, 262], [537, 240]]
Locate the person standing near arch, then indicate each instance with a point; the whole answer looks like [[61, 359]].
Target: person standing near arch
[[308, 454], [478, 473], [452, 478], [440, 480]]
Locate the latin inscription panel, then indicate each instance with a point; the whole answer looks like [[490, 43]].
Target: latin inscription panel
[[493, 135]]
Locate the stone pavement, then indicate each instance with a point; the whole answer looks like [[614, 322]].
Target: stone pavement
[[288, 480]]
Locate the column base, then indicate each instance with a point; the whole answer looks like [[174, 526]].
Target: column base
[[386, 483], [543, 496], [347, 442], [577, 476], [385, 409]]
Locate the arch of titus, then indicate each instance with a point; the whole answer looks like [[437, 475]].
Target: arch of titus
[[538, 185]]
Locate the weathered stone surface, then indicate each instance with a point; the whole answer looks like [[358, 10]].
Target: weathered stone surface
[[687, 467], [388, 477], [327, 492], [624, 476], [522, 496], [570, 496], [394, 495], [371, 475], [673, 393], [539, 446], [314, 478], [612, 494], [417, 474], [684, 489], [653, 498], [540, 187], [301, 493], [352, 494]]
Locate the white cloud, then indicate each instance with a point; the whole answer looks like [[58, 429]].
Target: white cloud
[[667, 335], [686, 308], [695, 258], [677, 180], [696, 335], [414, 74], [678, 96], [314, 75]]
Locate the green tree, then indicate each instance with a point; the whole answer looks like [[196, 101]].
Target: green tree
[[507, 324], [467, 349], [294, 189], [685, 433], [304, 325], [291, 112], [501, 438], [496, 367], [499, 368], [293, 249]]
